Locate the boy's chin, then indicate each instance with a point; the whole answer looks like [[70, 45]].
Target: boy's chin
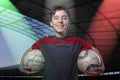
[[60, 32]]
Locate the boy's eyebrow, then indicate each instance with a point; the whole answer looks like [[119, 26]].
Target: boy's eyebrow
[[58, 16], [55, 16], [65, 16]]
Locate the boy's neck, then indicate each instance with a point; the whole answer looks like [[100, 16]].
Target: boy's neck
[[60, 35]]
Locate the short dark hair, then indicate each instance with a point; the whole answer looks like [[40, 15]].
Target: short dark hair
[[58, 8]]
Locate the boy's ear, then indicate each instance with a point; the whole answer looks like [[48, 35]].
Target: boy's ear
[[51, 24]]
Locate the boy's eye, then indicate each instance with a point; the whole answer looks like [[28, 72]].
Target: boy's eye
[[55, 18], [65, 18]]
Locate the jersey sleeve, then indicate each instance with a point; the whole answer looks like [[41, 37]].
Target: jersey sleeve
[[36, 45], [85, 45]]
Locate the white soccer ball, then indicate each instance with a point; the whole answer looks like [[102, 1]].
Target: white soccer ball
[[34, 60], [88, 59]]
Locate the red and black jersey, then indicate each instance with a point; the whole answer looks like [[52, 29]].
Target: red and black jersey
[[60, 56]]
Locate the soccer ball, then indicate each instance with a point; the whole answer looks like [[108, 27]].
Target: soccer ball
[[88, 59], [34, 60]]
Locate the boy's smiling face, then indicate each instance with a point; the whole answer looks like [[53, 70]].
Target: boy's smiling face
[[60, 21]]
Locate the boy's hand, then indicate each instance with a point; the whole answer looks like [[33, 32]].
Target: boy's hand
[[95, 72], [27, 70]]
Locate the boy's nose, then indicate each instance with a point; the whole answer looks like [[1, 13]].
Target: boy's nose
[[60, 20]]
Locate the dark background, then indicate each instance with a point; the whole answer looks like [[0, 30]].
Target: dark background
[[97, 21]]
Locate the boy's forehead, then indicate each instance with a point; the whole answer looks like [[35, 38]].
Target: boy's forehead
[[60, 12]]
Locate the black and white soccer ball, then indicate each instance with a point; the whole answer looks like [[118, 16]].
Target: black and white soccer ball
[[88, 59]]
